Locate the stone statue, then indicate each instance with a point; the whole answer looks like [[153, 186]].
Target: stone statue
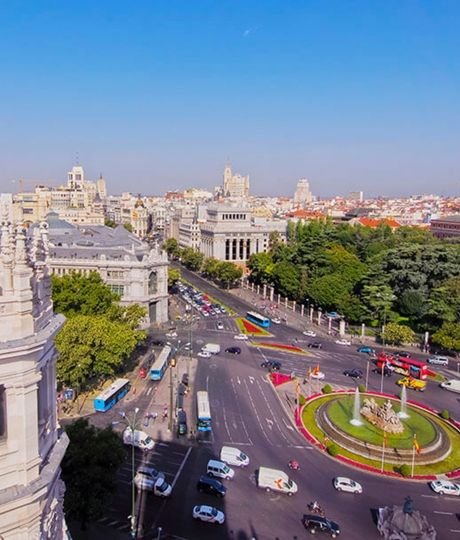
[[408, 507], [384, 417], [404, 523]]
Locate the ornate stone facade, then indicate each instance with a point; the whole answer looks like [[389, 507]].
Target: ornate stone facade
[[31, 443], [384, 417]]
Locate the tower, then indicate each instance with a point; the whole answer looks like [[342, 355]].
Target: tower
[[227, 179], [31, 448]]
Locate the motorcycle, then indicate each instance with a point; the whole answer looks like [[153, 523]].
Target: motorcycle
[[294, 465], [316, 509]]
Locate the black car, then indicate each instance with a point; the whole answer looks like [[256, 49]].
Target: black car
[[355, 373], [211, 486], [272, 365], [233, 350], [386, 371], [315, 345], [158, 342], [402, 354], [316, 524]]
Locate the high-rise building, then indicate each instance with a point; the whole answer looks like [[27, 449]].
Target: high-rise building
[[235, 186], [302, 195], [31, 446], [357, 196]]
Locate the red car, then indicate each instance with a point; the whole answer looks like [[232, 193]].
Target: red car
[[142, 373]]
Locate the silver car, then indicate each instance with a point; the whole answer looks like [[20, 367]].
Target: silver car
[[146, 477]]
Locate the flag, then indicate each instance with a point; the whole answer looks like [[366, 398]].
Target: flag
[[416, 445], [297, 387], [309, 372], [316, 370]]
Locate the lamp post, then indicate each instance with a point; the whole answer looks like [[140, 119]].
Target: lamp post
[[176, 349], [132, 424]]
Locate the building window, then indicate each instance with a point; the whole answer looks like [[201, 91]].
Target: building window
[[117, 289], [248, 248], [153, 283], [241, 249], [227, 249], [2, 412], [234, 249]]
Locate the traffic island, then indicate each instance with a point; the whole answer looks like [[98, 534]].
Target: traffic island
[[280, 347], [426, 446], [249, 329]]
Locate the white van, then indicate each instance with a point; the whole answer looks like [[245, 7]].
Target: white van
[[140, 440], [453, 385], [438, 360], [233, 456], [275, 480], [219, 469], [211, 348]]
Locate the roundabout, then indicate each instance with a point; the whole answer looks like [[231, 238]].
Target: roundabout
[[382, 434]]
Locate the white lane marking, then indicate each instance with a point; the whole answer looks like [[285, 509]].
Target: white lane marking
[[238, 380], [149, 390], [225, 422], [239, 411], [287, 425], [181, 467], [269, 422], [444, 513], [238, 443], [302, 447], [455, 530], [251, 380], [429, 496], [271, 411], [255, 411]]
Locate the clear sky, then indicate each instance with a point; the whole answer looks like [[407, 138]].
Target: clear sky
[[157, 94]]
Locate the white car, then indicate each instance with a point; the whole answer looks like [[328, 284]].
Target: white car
[[347, 484], [343, 342], [309, 333], [275, 320], [171, 334], [220, 326], [209, 514], [204, 354], [444, 487], [241, 337], [319, 376]]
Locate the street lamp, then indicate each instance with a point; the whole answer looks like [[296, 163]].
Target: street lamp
[[176, 349], [132, 424]]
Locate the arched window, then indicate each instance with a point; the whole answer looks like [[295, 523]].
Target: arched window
[[153, 283]]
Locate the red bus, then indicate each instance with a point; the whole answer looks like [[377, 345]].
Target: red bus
[[405, 366]]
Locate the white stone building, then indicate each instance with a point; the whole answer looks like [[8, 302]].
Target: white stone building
[[235, 186], [302, 195], [31, 445]]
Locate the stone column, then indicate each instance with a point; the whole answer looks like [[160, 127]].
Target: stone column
[[285, 302], [311, 314], [258, 289], [329, 328], [252, 286], [264, 290], [302, 308], [272, 292], [293, 305], [279, 298], [342, 327], [363, 330], [319, 317]]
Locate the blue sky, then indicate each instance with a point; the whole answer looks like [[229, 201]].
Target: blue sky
[[157, 94]]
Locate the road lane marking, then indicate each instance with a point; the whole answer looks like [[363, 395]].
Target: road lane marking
[[271, 411], [251, 380], [443, 513], [287, 425], [238, 380], [269, 422], [455, 530], [238, 443], [181, 467], [255, 412], [239, 411], [149, 390], [225, 423]]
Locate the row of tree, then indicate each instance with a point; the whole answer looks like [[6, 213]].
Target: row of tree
[[225, 272], [99, 334], [371, 275]]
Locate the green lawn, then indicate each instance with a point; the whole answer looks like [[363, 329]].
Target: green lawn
[[451, 463], [340, 411]]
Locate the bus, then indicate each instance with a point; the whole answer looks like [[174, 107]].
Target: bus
[[160, 365], [203, 411], [405, 366], [111, 395], [258, 319]]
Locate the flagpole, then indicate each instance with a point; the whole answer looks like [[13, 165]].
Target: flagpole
[[298, 398], [413, 460], [383, 451]]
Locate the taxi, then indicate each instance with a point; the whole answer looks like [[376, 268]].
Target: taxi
[[415, 384]]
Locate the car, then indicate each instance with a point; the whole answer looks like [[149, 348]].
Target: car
[[204, 354], [158, 343], [241, 337], [171, 334], [272, 365], [220, 325], [222, 309], [209, 514], [355, 373], [438, 360], [276, 320], [386, 371], [211, 486], [342, 483], [343, 342], [445, 487], [365, 349], [233, 350], [315, 345], [402, 354], [333, 315], [318, 375], [315, 523], [205, 314], [146, 477], [309, 333], [410, 382]]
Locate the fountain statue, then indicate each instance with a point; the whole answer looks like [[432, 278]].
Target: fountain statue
[[404, 523], [356, 420], [384, 417], [403, 412]]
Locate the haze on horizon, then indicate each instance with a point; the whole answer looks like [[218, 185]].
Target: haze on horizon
[[157, 95]]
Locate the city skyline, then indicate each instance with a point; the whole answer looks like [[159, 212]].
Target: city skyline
[[158, 97]]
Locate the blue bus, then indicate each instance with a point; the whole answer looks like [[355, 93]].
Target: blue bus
[[160, 365], [203, 411], [258, 319], [111, 395]]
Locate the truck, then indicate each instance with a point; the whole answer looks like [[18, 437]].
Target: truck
[[453, 385], [211, 348], [140, 440], [275, 480]]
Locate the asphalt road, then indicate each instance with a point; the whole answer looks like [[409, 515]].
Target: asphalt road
[[248, 414]]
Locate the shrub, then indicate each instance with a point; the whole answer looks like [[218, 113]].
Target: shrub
[[445, 414], [362, 388], [327, 389], [301, 400], [332, 450], [405, 470]]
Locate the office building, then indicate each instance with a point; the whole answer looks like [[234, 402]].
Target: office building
[[302, 195]]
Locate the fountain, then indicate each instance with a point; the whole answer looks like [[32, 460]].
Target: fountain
[[402, 413], [356, 420]]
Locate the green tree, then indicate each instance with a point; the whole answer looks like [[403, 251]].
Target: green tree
[[261, 267], [290, 231], [328, 291], [228, 273], [444, 302], [93, 347], [377, 301], [192, 259], [171, 247], [286, 279], [210, 266], [128, 227], [173, 276], [448, 336], [78, 294], [412, 303], [89, 470], [131, 315], [110, 223], [398, 334]]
